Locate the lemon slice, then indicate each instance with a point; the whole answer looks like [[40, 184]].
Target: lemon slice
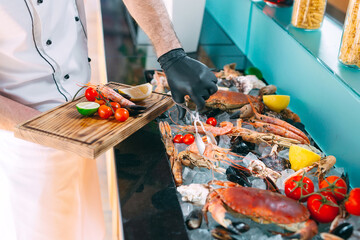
[[138, 93], [87, 108], [300, 157], [276, 103]]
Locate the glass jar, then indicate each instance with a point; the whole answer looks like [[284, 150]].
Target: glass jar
[[349, 53], [308, 14], [279, 3]]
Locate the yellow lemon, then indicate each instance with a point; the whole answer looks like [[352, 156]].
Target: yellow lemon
[[276, 103], [138, 93], [300, 157]]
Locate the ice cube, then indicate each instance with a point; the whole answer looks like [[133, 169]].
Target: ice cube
[[254, 234], [264, 149], [275, 237], [202, 176], [248, 158], [248, 126], [258, 183], [336, 171], [284, 153], [223, 117], [198, 234], [180, 147], [188, 175], [186, 208], [284, 175], [224, 142]]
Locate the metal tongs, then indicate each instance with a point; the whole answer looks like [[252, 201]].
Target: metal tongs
[[198, 140]]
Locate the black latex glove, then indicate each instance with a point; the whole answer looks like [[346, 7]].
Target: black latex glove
[[187, 76]]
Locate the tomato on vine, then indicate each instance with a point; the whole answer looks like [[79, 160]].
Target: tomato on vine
[[352, 203], [212, 121], [297, 187], [91, 94], [121, 114], [334, 185], [178, 138], [100, 101], [115, 105], [188, 139], [323, 208], [105, 111]]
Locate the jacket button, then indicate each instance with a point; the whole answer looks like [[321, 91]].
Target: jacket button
[[77, 19], [67, 76], [48, 42], [89, 59], [39, 1]]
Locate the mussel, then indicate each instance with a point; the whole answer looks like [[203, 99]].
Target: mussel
[[344, 230], [241, 147], [237, 176], [241, 226], [221, 233], [194, 219]]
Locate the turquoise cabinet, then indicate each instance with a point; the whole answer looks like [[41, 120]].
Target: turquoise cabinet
[[303, 65]]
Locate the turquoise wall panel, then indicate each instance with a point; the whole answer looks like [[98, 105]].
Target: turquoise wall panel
[[232, 15], [327, 107], [329, 110]]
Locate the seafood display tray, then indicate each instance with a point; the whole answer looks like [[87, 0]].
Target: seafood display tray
[[65, 129]]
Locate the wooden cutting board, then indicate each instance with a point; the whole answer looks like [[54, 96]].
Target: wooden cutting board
[[64, 128]]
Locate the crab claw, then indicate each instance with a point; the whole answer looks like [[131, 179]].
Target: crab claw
[[219, 213], [309, 230]]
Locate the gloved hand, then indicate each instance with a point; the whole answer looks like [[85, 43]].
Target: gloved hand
[[187, 76]]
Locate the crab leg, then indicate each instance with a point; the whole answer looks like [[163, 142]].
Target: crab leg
[[307, 231], [278, 122]]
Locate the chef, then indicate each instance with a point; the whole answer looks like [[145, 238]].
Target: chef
[[46, 193]]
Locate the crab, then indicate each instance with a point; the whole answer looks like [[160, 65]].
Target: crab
[[233, 101], [261, 206]]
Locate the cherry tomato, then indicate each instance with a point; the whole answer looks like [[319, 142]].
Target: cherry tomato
[[100, 101], [178, 138], [298, 186], [104, 111], [188, 139], [115, 105], [323, 209], [352, 204], [121, 114], [91, 94], [336, 186], [211, 121]]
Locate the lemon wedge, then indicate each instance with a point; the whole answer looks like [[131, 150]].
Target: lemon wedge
[[301, 157], [276, 103], [138, 93]]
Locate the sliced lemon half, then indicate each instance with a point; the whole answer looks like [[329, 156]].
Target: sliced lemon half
[[138, 93], [300, 157], [276, 103], [87, 108]]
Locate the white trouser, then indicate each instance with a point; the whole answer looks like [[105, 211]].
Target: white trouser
[[46, 194]]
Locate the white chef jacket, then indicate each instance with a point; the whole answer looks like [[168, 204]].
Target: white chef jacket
[[43, 51], [45, 194]]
